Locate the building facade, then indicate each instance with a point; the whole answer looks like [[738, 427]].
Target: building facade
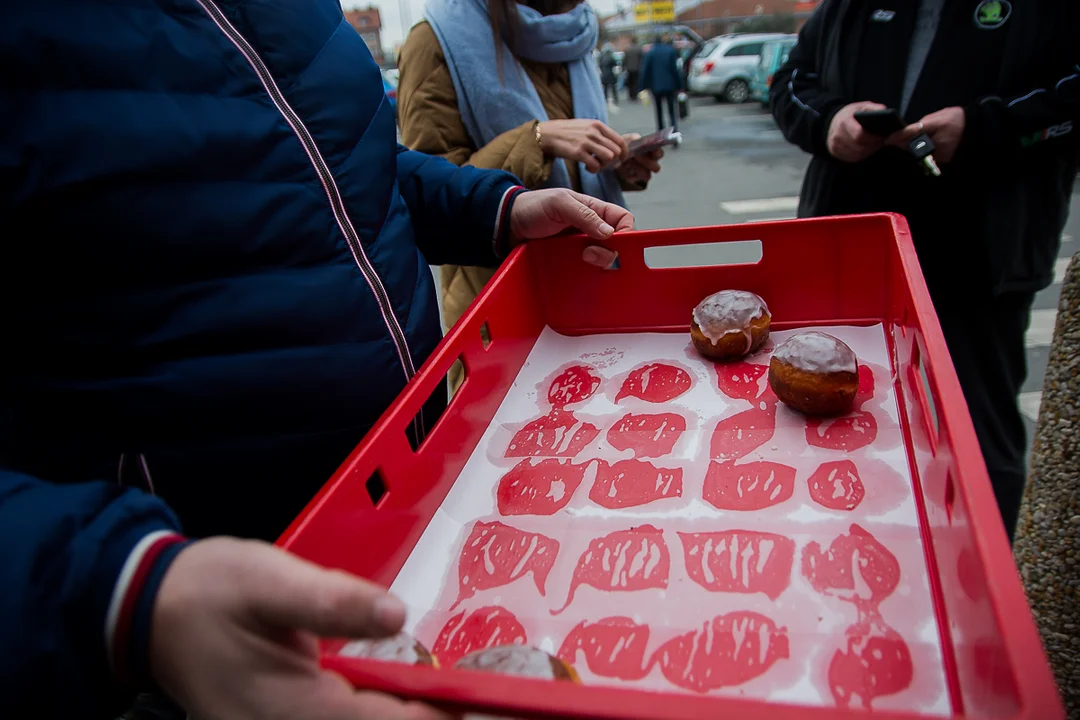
[[709, 18], [716, 17], [368, 22]]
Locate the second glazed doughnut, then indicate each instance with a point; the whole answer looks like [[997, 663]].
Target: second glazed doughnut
[[815, 373]]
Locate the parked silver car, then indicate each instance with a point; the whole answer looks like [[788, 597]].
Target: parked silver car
[[725, 65]]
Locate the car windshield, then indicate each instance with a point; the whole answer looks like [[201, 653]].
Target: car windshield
[[708, 48]]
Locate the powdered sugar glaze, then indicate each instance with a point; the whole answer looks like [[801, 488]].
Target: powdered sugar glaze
[[399, 648], [729, 311], [817, 352], [510, 660]]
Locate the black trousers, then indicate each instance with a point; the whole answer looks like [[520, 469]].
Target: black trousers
[[632, 84], [659, 100], [611, 89], [986, 341]]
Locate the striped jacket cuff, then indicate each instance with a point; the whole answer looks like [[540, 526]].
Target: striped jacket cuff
[[502, 241], [130, 611]]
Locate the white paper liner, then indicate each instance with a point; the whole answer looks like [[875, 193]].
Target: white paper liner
[[813, 623]]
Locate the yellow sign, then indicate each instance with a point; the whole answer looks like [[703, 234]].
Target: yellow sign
[[658, 11]]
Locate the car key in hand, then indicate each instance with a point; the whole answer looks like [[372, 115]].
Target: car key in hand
[[922, 147], [884, 123]]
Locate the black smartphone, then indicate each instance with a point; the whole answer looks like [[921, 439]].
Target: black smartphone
[[882, 123]]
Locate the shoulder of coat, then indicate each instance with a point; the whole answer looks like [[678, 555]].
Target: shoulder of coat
[[422, 41]]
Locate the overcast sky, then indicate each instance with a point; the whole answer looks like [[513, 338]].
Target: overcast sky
[[394, 28]]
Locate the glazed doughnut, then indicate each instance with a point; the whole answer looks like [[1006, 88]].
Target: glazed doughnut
[[730, 324], [400, 648], [518, 660], [815, 373]]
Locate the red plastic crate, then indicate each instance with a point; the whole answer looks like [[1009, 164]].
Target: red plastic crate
[[858, 270]]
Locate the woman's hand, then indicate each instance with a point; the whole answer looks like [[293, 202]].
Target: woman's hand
[[638, 170], [589, 142]]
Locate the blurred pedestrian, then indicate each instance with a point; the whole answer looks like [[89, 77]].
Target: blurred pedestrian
[[512, 86], [996, 86], [215, 282], [608, 77], [632, 65], [660, 76]]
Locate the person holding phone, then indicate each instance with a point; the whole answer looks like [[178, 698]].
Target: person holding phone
[[513, 86], [995, 85]]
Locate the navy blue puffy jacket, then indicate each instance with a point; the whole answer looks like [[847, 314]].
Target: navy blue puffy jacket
[[214, 280]]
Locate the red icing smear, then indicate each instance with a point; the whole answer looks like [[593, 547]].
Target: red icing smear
[[743, 380], [742, 434], [614, 647], [866, 386], [876, 662], [575, 384], [728, 651], [484, 628], [623, 561], [655, 383], [647, 435], [837, 486], [856, 568], [629, 483], [557, 434], [496, 554], [739, 561], [540, 489], [851, 432], [752, 486]]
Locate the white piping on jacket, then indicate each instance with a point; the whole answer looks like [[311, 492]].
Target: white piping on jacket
[[333, 194]]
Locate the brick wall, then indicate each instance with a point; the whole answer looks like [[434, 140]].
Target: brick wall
[[708, 18], [368, 22]]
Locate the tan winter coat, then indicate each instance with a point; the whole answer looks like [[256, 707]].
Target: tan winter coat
[[431, 123]]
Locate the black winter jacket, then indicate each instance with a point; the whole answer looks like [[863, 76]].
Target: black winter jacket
[[993, 222]]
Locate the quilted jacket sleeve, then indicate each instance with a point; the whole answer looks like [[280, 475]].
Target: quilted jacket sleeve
[[803, 109], [1046, 111], [459, 214], [80, 566]]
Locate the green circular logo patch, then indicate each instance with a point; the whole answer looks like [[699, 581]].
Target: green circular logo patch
[[992, 14]]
